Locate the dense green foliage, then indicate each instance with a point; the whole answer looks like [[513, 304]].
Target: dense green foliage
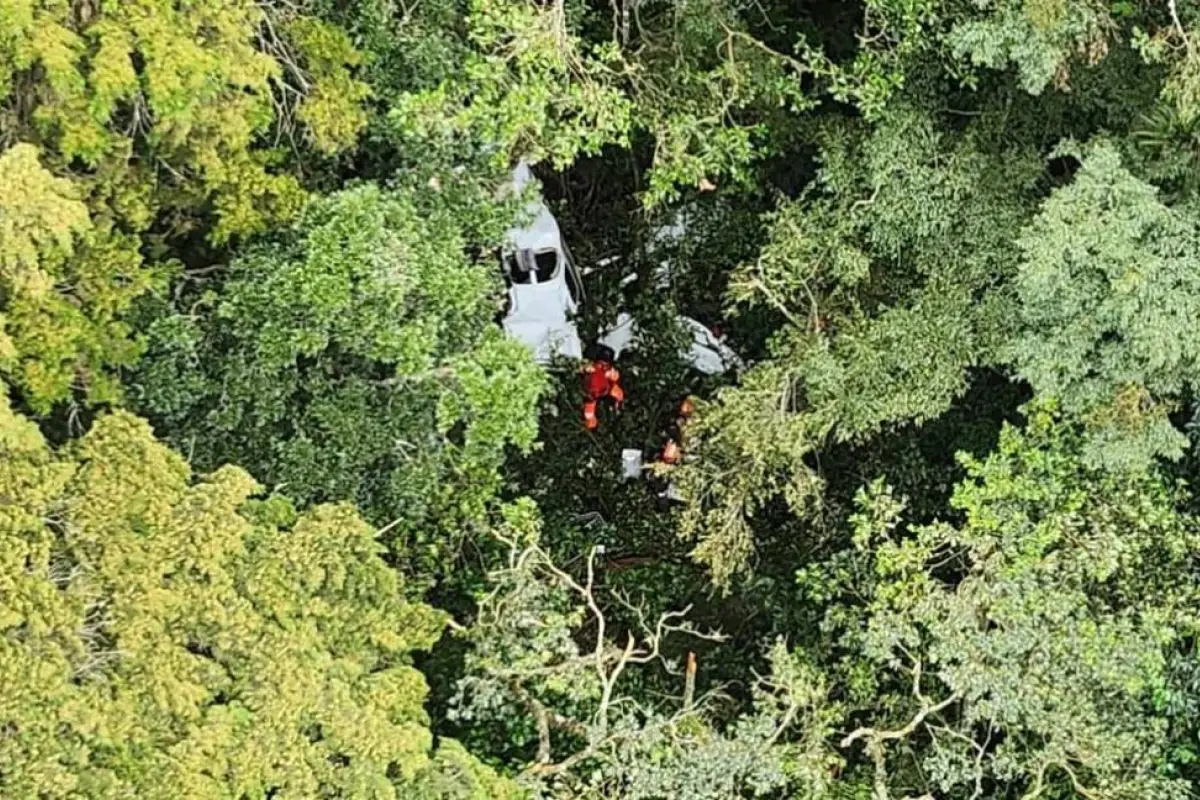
[[163, 637], [938, 537], [335, 360], [1109, 291], [1077, 586], [157, 117]]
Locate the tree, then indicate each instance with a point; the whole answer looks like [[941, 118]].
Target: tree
[[592, 734], [1108, 294], [1039, 39], [1026, 648], [52, 340], [271, 228], [164, 635], [1046, 43], [886, 278], [189, 91], [157, 116], [354, 357], [552, 82]]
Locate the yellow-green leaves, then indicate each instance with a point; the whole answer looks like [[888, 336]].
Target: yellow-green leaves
[[65, 282], [40, 217], [165, 637], [331, 109], [144, 111]]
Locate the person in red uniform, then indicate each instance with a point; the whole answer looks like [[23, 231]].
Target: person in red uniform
[[600, 380], [673, 451]]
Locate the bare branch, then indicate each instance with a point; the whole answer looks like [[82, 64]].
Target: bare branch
[[876, 738], [689, 683], [1187, 43], [607, 663], [907, 730]]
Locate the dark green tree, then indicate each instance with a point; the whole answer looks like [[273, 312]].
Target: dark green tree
[[1023, 652], [353, 357]]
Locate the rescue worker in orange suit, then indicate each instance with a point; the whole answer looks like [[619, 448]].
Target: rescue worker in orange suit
[[600, 380], [671, 454], [673, 450]]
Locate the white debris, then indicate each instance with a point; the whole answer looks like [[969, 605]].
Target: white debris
[[631, 463], [543, 287], [707, 353]]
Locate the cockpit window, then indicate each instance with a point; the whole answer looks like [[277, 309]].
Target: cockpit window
[[546, 262], [516, 271]]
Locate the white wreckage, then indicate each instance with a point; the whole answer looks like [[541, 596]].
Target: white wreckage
[[545, 289]]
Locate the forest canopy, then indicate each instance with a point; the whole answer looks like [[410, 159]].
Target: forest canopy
[[290, 507]]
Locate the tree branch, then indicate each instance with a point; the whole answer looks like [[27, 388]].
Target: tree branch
[[907, 730], [1187, 43]]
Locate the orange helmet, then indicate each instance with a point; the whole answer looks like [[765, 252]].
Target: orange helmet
[[687, 408]]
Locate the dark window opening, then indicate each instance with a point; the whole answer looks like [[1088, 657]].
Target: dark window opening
[[546, 262], [515, 271]]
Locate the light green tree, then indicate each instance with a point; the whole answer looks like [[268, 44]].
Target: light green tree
[[163, 635], [1109, 291], [52, 340], [156, 118]]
